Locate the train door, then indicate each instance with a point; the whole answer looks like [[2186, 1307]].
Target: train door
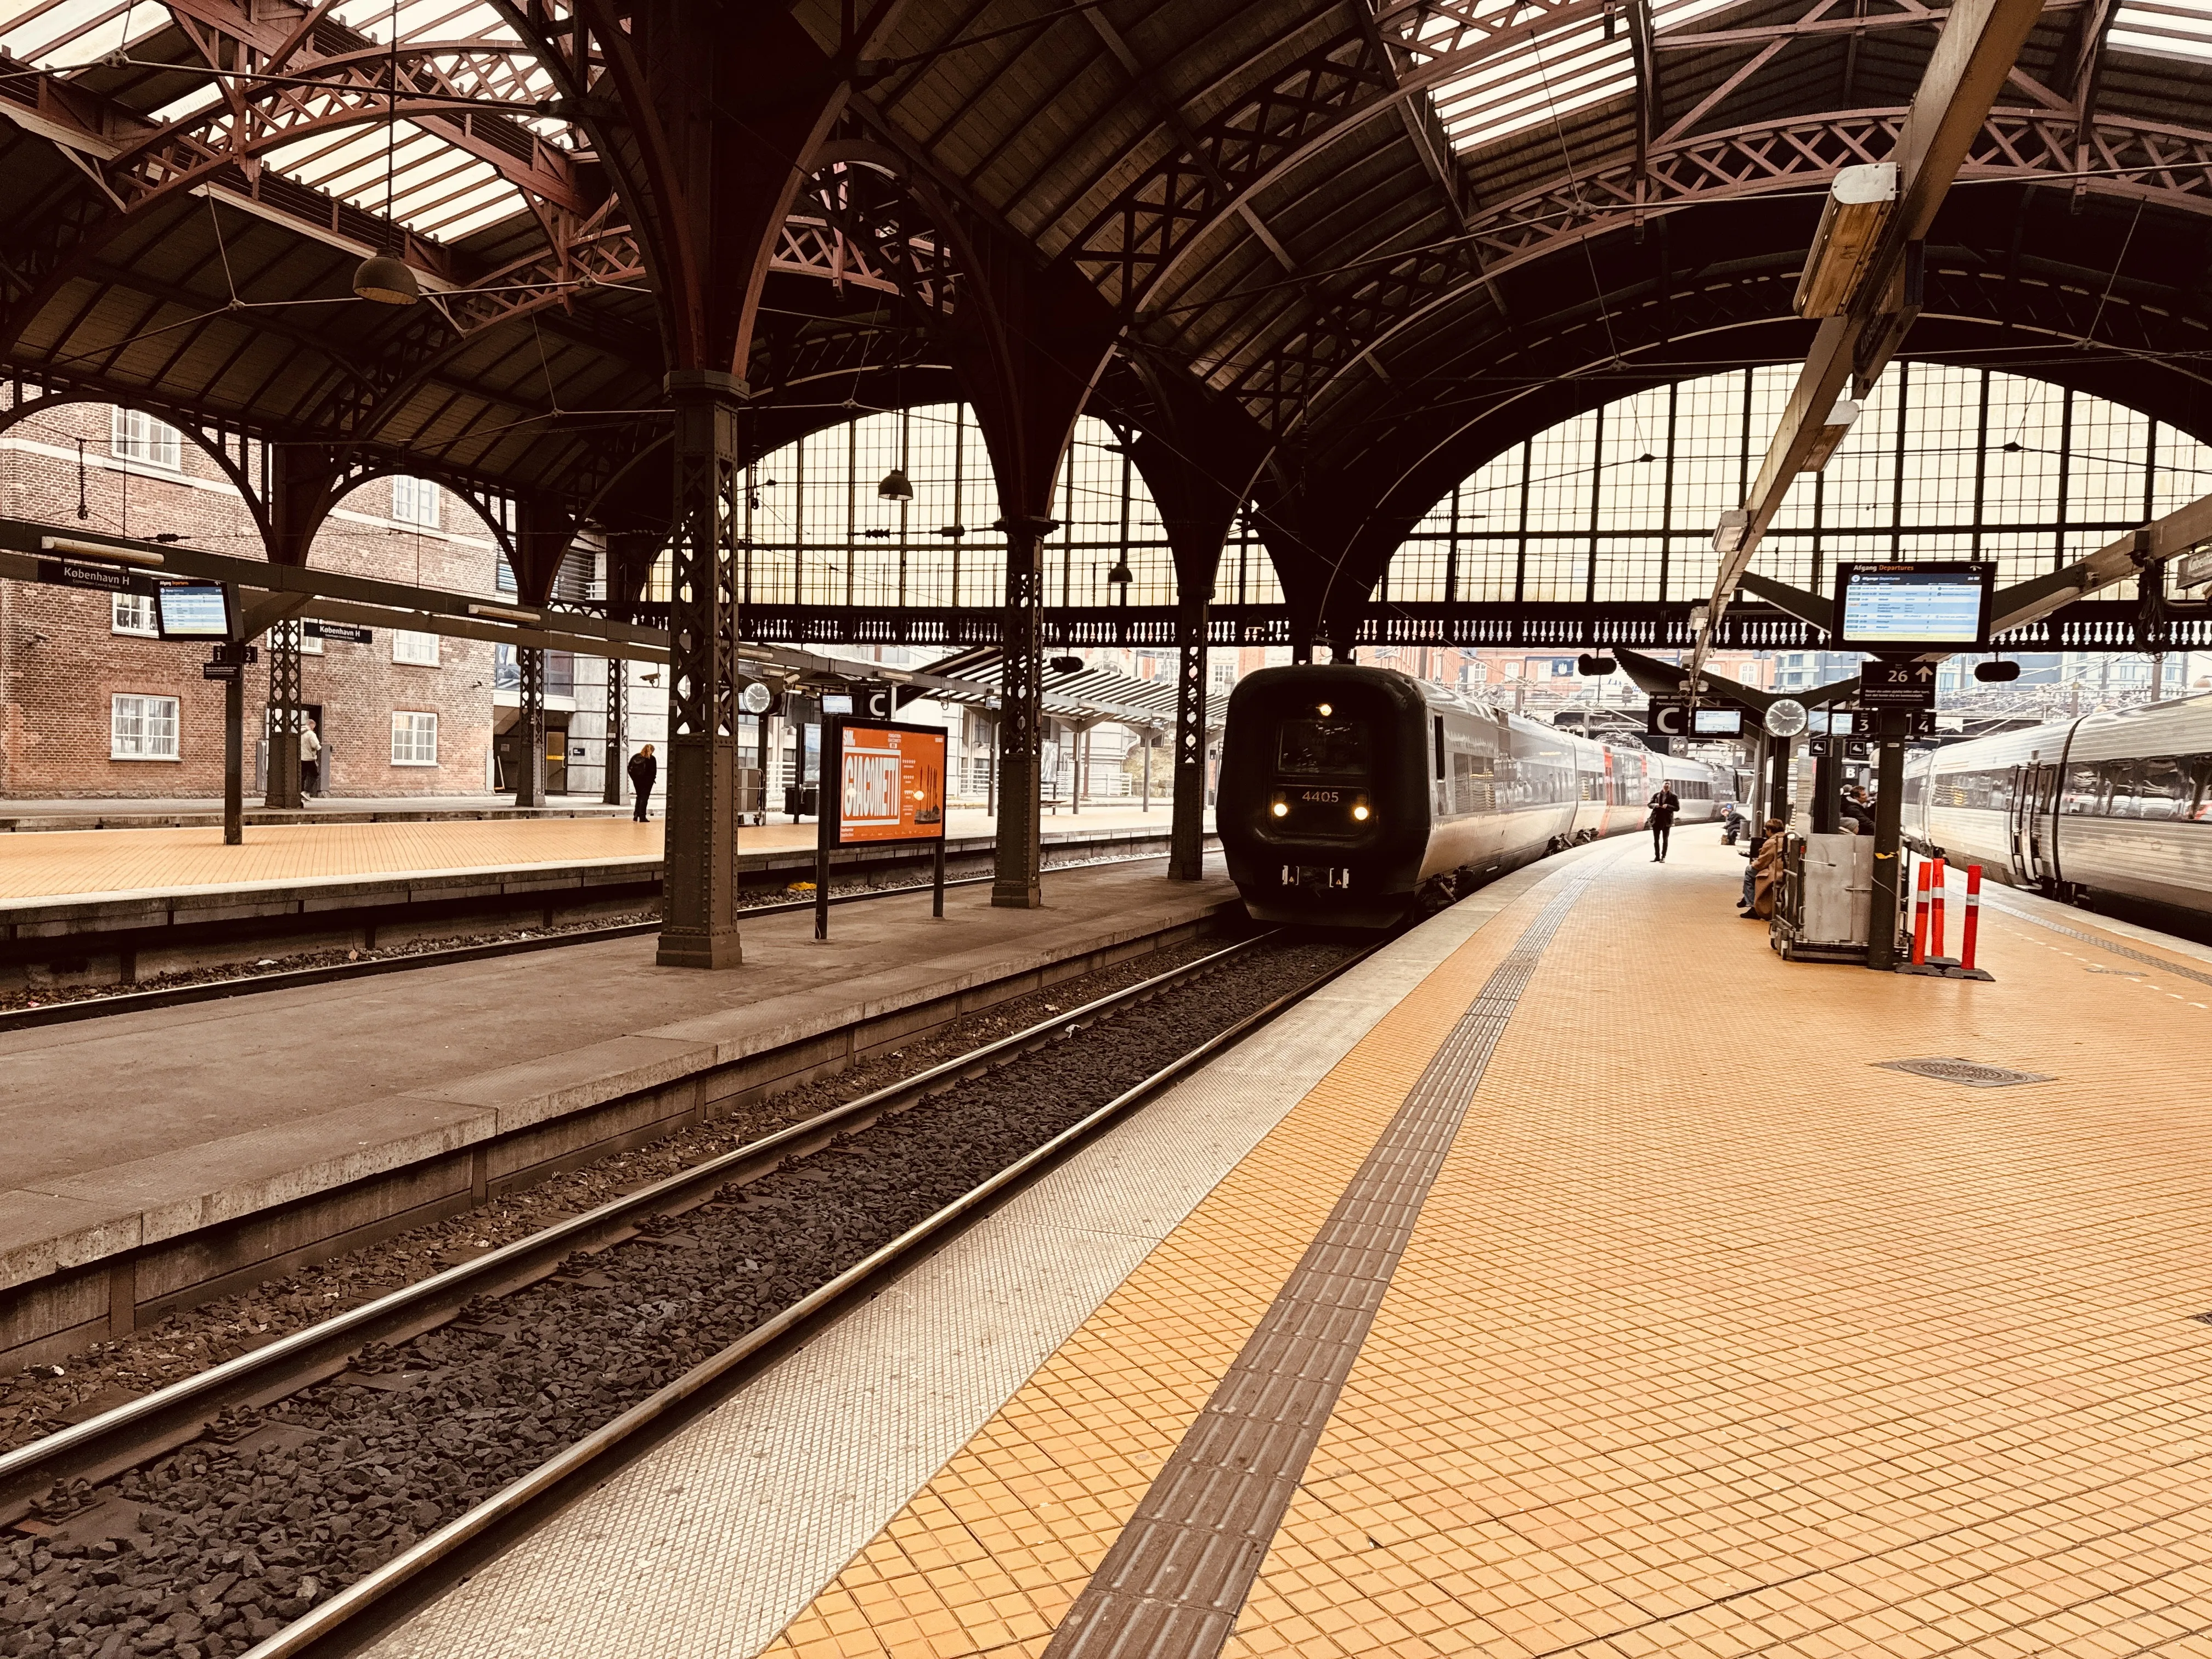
[[2034, 798]]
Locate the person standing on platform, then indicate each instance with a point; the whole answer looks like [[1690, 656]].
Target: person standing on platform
[[311, 760], [643, 770], [1662, 807], [1855, 809]]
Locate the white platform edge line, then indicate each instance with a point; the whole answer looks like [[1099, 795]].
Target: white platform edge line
[[714, 1541]]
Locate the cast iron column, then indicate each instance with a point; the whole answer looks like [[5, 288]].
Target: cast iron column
[[234, 758], [1777, 790], [1827, 809], [617, 684], [281, 787], [1020, 825], [1888, 838], [529, 728], [1187, 843], [699, 909]]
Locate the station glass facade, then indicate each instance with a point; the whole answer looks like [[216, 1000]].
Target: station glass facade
[[1944, 462], [817, 533]]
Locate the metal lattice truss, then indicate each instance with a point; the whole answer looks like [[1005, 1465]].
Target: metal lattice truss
[[2170, 166], [1290, 201]]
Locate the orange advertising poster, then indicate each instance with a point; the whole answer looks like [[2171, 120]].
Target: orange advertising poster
[[890, 784]]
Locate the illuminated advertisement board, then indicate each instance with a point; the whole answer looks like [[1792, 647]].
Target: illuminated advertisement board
[[890, 783]]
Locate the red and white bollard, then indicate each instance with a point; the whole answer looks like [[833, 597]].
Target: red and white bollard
[[1937, 881], [1971, 928], [1920, 918]]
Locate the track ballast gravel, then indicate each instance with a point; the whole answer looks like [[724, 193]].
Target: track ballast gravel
[[236, 1540]]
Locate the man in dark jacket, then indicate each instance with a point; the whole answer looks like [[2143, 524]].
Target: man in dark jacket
[[643, 770], [1662, 807]]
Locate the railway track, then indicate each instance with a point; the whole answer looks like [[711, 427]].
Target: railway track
[[416, 1405], [217, 990]]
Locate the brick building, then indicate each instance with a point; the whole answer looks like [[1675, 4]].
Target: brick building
[[93, 704]]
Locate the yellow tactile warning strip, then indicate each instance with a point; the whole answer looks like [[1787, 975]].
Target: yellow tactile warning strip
[[1712, 1339], [991, 1552], [1174, 1579], [63, 863]]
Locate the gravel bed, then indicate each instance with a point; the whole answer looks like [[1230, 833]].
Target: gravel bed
[[233, 1539], [189, 1341]]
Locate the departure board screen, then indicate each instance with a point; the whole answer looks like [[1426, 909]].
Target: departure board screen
[[1720, 723], [1890, 609], [192, 610]]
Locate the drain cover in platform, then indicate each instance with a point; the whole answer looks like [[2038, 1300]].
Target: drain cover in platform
[[1970, 1072]]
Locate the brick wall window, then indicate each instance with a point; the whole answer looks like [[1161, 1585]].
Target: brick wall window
[[414, 501], [137, 436], [134, 614], [143, 728], [414, 738], [420, 649]]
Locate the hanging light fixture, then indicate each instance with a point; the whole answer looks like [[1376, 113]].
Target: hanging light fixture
[[895, 487], [1120, 577], [385, 278]]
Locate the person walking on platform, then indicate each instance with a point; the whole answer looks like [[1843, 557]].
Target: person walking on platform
[[311, 760], [1662, 807], [643, 770]]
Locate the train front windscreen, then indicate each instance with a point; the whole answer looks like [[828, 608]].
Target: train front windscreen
[[1321, 775]]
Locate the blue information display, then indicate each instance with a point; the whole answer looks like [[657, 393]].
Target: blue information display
[[1720, 722], [192, 610], [1891, 609]]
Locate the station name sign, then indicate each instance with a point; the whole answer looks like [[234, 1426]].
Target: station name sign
[[346, 633], [106, 577]]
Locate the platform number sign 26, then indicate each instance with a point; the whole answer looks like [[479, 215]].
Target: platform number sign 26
[[1911, 684]]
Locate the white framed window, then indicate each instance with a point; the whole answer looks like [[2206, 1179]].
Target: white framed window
[[420, 649], [137, 436], [414, 501], [311, 645], [414, 738], [143, 728], [133, 614]]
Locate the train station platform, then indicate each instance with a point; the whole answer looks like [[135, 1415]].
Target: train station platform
[[1574, 1276], [89, 862], [158, 1157]]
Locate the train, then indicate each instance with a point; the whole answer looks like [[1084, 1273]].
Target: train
[[1354, 797], [2105, 806]]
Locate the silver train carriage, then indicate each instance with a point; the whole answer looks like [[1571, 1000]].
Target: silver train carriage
[[2115, 804], [1350, 796]]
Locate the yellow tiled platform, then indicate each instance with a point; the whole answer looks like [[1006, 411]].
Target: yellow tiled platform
[[69, 862], [1713, 1339]]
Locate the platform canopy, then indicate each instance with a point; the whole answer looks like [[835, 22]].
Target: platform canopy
[[1319, 261]]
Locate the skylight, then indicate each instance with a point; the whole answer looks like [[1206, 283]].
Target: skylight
[[437, 190], [1556, 73]]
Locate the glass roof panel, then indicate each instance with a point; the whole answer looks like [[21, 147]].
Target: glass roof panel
[[436, 189], [2178, 28], [1551, 76]]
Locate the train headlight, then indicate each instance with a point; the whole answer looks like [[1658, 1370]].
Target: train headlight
[[1359, 812], [1281, 809], [1325, 711]]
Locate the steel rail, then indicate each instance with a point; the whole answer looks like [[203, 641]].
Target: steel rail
[[287, 979], [105, 1445]]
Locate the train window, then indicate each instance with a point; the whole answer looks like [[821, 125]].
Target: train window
[[2201, 806], [2085, 790], [1440, 745], [2162, 787], [1321, 749], [2121, 797]]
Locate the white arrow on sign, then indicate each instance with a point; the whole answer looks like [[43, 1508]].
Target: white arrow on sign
[[1923, 672]]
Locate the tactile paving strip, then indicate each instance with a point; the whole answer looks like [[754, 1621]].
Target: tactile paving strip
[[1171, 1585]]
